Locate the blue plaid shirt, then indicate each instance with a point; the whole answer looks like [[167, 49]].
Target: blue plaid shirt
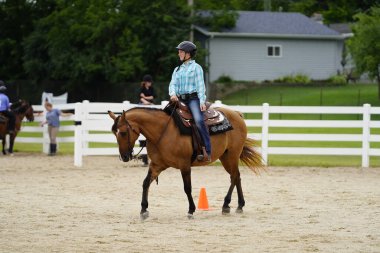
[[188, 79]]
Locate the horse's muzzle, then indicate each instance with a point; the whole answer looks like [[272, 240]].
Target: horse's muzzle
[[125, 157]]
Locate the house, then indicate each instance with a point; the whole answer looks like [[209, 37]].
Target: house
[[268, 45]]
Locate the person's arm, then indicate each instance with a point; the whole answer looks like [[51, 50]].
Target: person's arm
[[200, 84], [172, 92]]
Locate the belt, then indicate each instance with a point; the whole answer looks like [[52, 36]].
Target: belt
[[188, 96]]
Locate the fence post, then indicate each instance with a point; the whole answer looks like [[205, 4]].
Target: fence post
[[85, 113], [366, 135], [265, 133], [127, 104], [46, 140], [78, 135], [164, 103]]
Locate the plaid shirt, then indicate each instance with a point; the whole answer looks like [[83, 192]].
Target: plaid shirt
[[188, 79]]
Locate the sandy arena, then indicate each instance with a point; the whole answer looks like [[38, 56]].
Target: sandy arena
[[48, 205]]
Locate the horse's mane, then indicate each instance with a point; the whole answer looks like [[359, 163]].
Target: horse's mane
[[114, 126], [145, 108], [20, 106]]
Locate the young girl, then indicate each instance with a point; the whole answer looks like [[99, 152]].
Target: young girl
[[147, 94], [188, 85]]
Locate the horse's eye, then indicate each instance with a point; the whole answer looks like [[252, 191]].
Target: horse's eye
[[123, 134]]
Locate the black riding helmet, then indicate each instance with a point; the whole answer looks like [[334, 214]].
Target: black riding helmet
[[148, 78], [188, 47]]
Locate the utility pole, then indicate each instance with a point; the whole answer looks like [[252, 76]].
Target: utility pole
[[191, 5]]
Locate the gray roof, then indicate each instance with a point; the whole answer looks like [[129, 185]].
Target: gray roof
[[284, 24]]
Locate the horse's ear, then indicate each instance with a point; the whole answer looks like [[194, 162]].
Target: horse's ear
[[112, 115]]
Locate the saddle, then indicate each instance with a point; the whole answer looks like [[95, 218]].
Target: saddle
[[215, 121], [210, 116], [3, 119]]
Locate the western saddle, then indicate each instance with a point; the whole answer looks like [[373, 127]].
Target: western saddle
[[211, 117]]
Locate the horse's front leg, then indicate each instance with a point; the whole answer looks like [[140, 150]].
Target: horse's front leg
[[144, 202], [11, 142], [186, 177], [152, 175]]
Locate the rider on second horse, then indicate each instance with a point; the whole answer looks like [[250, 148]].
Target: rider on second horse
[[187, 85], [5, 108]]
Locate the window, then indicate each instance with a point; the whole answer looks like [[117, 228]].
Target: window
[[274, 51]]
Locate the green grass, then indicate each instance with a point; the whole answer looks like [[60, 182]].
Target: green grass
[[349, 95]]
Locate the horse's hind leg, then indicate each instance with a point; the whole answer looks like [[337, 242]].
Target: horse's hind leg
[[231, 166], [186, 177]]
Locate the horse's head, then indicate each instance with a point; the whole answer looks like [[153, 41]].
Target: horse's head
[[29, 113], [126, 135], [23, 107]]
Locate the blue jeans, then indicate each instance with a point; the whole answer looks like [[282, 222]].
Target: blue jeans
[[194, 105]]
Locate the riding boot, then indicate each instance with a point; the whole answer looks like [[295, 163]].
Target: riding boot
[[53, 149]]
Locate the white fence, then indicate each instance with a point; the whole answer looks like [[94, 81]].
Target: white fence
[[92, 124]]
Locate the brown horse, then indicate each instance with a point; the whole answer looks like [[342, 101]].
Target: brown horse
[[166, 148], [21, 109]]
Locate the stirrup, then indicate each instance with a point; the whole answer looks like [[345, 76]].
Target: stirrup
[[200, 157]]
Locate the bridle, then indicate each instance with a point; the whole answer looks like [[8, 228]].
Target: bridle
[[130, 148], [129, 127]]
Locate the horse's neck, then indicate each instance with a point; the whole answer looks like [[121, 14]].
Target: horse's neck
[[151, 123]]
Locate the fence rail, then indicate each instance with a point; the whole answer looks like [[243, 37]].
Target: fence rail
[[92, 124]]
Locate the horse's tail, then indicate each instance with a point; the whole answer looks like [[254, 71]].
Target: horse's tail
[[250, 157]]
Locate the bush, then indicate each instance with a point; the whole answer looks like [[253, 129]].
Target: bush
[[298, 79], [224, 79], [338, 79]]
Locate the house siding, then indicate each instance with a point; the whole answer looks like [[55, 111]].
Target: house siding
[[246, 59]]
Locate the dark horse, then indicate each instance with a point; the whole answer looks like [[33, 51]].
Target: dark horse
[[21, 109], [166, 148]]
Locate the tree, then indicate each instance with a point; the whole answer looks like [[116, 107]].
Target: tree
[[96, 45], [364, 46]]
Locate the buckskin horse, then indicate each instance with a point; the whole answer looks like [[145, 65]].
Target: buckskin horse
[[21, 109], [166, 148]]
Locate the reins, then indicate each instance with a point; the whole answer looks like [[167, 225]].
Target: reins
[[129, 126], [167, 124]]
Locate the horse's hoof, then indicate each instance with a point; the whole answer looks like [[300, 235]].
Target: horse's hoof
[[190, 216], [144, 215], [226, 210], [239, 210]]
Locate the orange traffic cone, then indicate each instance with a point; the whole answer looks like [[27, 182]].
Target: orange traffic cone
[[203, 202]]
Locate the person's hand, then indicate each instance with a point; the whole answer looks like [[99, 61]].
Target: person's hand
[[174, 98], [42, 124], [203, 107]]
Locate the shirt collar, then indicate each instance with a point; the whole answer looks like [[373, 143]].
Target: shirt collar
[[189, 63]]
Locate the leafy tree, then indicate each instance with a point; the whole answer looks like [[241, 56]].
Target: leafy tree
[[15, 24], [95, 45], [365, 44]]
